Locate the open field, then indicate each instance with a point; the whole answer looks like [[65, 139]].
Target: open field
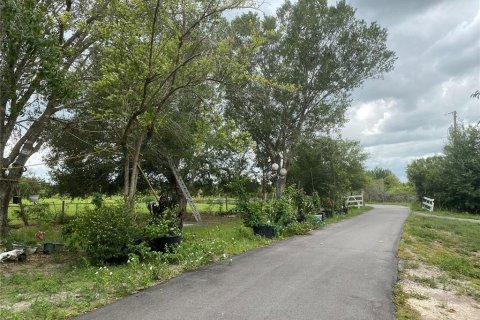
[[53, 206], [439, 267]]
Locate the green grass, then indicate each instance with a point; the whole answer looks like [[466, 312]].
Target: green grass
[[53, 233], [449, 245], [426, 281], [462, 215], [403, 310]]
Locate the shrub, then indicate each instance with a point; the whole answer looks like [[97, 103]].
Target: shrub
[[165, 225], [97, 199], [252, 213], [104, 233]]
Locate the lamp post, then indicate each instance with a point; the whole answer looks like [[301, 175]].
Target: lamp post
[[279, 174]]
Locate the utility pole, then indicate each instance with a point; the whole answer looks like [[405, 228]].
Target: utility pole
[[454, 120]]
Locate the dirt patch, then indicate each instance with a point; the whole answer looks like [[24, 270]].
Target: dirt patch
[[435, 296], [61, 296], [37, 262]]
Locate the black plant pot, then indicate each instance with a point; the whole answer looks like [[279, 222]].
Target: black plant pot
[[164, 244], [17, 200], [266, 231], [116, 260], [328, 213], [301, 218]]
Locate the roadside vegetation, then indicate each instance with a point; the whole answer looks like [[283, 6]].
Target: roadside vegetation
[[452, 179], [65, 284], [439, 270]]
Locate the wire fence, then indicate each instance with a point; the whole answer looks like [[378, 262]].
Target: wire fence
[[68, 208]]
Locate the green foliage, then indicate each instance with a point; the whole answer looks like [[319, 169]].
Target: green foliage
[[33, 185], [275, 212], [331, 167], [453, 180], [296, 228], [313, 56], [40, 212], [251, 213], [426, 176], [40, 44], [167, 225], [104, 233], [462, 169], [280, 212], [380, 173], [194, 252], [97, 200]]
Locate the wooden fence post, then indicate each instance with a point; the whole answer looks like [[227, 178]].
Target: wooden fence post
[[63, 211]]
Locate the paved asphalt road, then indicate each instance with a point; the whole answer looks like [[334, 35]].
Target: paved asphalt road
[[344, 271]]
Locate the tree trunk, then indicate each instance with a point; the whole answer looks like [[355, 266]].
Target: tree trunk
[[5, 195], [182, 205], [23, 214]]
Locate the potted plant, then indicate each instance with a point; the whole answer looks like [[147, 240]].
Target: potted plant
[[267, 218], [255, 217], [163, 233], [329, 208]]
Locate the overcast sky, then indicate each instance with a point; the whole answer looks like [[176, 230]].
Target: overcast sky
[[405, 115]]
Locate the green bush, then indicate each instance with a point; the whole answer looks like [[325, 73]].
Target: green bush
[[280, 212], [104, 233], [97, 199]]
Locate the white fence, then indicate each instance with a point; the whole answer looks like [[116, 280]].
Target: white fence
[[355, 200], [427, 203]]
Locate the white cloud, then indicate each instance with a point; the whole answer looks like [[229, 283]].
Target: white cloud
[[438, 68]]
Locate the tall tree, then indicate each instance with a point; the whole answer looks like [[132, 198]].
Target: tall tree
[[155, 50], [314, 55], [427, 177], [452, 179], [461, 173], [44, 47], [331, 167]]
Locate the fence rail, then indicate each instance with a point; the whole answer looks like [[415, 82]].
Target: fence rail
[[65, 207], [354, 200], [56, 207], [428, 203]]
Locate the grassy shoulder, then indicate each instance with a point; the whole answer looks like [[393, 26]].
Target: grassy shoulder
[[415, 206], [439, 269], [62, 286]]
